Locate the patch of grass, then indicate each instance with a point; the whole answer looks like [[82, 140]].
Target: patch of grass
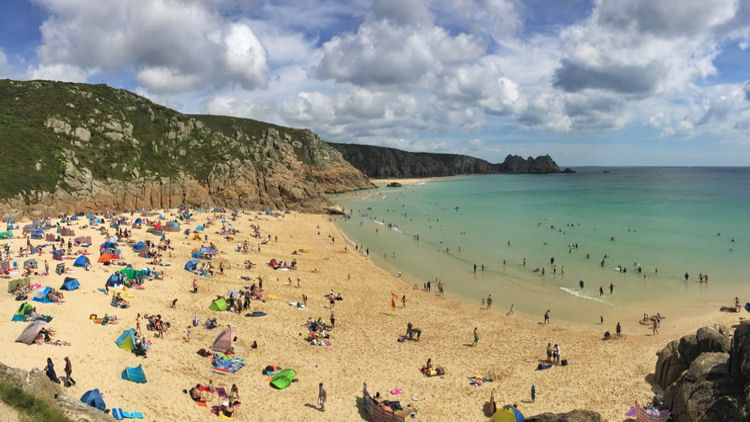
[[32, 408]]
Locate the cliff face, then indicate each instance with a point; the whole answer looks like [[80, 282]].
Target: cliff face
[[381, 162], [78, 147]]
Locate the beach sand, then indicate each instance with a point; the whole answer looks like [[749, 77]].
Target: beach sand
[[409, 181], [605, 376]]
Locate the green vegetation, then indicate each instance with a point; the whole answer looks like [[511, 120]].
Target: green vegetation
[[32, 408], [46, 127]]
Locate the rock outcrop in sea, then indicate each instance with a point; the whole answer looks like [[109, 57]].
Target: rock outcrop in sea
[[78, 147], [706, 376]]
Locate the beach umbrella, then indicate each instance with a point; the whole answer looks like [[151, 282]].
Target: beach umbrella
[[508, 414]]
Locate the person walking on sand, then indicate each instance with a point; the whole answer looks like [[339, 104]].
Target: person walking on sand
[[50, 371], [655, 328], [618, 329], [533, 392], [195, 286], [68, 371], [322, 397], [393, 305], [187, 335], [403, 301], [489, 301], [476, 338], [512, 307], [611, 288], [546, 317]]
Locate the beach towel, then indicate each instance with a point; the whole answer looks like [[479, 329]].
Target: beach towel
[[256, 314]]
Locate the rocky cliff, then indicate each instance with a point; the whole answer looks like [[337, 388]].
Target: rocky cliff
[[36, 383], [706, 376], [381, 162], [78, 147]]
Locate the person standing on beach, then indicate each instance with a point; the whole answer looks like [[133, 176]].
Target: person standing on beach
[[195, 286], [611, 288], [333, 319], [601, 290], [489, 301], [403, 301], [476, 337], [68, 371], [533, 392], [687, 276], [655, 327], [618, 329], [546, 317], [50, 371], [322, 395], [512, 307]]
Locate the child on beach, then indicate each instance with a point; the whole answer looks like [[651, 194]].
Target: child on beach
[[187, 335], [476, 338]]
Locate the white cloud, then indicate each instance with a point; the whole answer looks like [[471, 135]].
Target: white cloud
[[58, 72], [163, 79], [180, 41]]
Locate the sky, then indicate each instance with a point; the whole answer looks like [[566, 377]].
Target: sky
[[590, 82]]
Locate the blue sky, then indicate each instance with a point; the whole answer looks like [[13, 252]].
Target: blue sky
[[627, 82]]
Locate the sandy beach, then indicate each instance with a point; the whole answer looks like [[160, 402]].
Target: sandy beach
[[605, 376], [410, 181]]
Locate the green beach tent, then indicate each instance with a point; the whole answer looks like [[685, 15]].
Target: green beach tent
[[126, 340], [283, 379], [218, 305]]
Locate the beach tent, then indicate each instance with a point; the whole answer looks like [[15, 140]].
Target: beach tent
[[126, 340], [507, 414], [70, 283], [224, 341], [114, 280], [106, 257], [199, 229], [6, 234], [58, 254], [30, 332], [138, 246], [41, 295], [82, 261], [134, 374], [94, 399], [108, 245], [218, 305], [130, 274], [283, 379], [138, 220], [190, 265], [90, 216], [21, 313]]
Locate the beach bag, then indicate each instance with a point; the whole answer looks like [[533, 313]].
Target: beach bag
[[564, 362], [203, 353]]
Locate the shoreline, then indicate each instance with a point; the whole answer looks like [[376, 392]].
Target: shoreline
[[364, 346], [414, 180]]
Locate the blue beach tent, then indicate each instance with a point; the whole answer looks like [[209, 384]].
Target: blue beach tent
[[134, 374], [94, 399], [81, 261], [199, 229], [138, 221], [41, 295], [190, 265], [70, 284], [126, 340], [138, 246]]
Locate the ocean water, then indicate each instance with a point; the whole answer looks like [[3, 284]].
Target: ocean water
[[667, 221]]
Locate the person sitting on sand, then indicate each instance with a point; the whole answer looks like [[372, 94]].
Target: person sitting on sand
[[197, 395]]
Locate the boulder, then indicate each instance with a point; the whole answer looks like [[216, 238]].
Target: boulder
[[704, 392], [577, 415], [669, 365], [714, 338], [739, 360], [394, 185]]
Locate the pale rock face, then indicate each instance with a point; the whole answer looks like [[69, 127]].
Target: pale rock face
[[58, 126], [83, 134]]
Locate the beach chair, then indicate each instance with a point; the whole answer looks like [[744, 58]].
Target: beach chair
[[651, 415], [375, 412]]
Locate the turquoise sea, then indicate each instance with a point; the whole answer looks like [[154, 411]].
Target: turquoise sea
[[679, 220]]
